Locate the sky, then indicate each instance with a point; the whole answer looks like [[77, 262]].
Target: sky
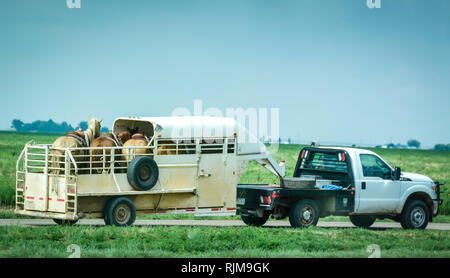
[[337, 70]]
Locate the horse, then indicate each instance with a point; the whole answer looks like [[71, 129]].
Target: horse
[[100, 159], [137, 140], [73, 139], [168, 147]]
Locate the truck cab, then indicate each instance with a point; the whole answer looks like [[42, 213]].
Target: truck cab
[[343, 181]]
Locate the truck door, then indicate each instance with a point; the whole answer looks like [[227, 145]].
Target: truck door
[[378, 193]]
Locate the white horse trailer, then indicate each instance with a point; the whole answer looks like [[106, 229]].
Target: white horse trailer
[[192, 165]]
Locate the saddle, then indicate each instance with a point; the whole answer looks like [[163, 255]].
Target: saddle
[[139, 136], [79, 137]]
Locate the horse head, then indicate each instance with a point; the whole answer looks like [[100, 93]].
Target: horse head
[[94, 125], [124, 136]]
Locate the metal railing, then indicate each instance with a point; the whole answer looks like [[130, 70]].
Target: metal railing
[[43, 158]]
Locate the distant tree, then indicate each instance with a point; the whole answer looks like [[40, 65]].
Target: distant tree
[[289, 140], [83, 125], [48, 126], [413, 143], [17, 125], [41, 126], [391, 146], [442, 147]]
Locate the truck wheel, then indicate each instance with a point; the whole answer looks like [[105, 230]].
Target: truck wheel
[[362, 221], [251, 220], [415, 215], [142, 173], [64, 222], [120, 212], [305, 213]]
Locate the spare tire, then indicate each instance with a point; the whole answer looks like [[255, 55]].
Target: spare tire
[[142, 173]]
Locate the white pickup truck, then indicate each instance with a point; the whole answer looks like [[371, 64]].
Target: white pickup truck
[[342, 181]]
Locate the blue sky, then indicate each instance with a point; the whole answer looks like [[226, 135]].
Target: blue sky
[[337, 70]]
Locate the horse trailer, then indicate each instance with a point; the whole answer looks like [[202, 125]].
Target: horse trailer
[[190, 165]]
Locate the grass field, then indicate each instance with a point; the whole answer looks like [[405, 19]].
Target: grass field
[[52, 241]]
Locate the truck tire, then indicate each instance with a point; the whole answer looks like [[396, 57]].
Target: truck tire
[[142, 173], [304, 213], [415, 215], [120, 211], [251, 220], [362, 221], [64, 222]]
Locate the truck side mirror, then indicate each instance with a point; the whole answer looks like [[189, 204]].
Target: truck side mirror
[[397, 173]]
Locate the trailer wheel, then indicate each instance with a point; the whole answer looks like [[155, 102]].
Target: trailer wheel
[[362, 221], [415, 215], [251, 220], [304, 214], [120, 212], [142, 173], [64, 222]]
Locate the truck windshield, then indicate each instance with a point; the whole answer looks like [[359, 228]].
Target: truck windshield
[[324, 161]]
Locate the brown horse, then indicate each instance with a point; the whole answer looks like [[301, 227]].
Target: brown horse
[[101, 159], [73, 139], [168, 147], [137, 140]]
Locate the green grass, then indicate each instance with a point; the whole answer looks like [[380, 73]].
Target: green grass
[[11, 145], [51, 241], [435, 164]]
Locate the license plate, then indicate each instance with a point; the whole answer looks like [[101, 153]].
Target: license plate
[[240, 201]]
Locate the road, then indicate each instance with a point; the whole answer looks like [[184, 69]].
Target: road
[[214, 223]]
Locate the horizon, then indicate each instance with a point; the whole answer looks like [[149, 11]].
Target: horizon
[[337, 71]]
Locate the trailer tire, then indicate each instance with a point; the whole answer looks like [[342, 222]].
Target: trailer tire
[[120, 211], [251, 220], [415, 215], [304, 213], [362, 221], [142, 173], [64, 222]]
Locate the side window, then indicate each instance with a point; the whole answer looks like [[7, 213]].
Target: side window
[[372, 166]]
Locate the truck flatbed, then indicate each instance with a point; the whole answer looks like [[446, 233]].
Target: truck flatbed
[[254, 197]]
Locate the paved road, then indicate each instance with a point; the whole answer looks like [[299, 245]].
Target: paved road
[[215, 223]]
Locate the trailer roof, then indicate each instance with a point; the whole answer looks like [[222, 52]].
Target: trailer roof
[[189, 126], [194, 127]]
